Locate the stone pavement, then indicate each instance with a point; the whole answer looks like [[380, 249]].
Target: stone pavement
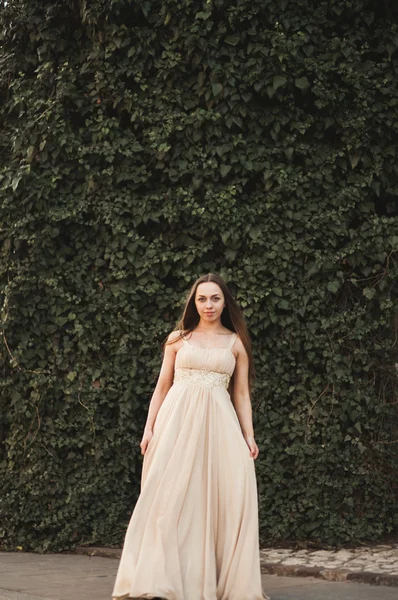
[[30, 576], [368, 564]]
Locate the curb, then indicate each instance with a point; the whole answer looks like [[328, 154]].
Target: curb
[[385, 579], [280, 569], [98, 551]]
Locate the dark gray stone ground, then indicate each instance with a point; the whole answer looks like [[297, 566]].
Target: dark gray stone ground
[[29, 576]]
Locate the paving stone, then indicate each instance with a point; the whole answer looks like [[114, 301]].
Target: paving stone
[[372, 565], [294, 561]]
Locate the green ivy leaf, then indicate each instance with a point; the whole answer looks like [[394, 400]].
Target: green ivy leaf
[[232, 40], [225, 169], [369, 293], [284, 304], [203, 14], [217, 88], [334, 286], [278, 82], [302, 83]]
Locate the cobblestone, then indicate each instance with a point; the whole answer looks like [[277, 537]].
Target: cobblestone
[[370, 564], [377, 563]]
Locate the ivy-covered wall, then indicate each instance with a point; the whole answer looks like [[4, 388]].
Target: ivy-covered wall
[[145, 143]]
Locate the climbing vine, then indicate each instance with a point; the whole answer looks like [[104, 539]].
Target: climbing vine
[[145, 143]]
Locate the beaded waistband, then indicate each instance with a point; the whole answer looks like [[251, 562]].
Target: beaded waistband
[[202, 377]]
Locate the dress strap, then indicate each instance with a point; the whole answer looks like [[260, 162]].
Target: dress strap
[[232, 341]]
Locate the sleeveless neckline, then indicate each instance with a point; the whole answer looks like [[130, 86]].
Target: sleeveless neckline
[[207, 349], [232, 337]]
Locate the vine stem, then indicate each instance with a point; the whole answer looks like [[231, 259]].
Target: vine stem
[[14, 360]]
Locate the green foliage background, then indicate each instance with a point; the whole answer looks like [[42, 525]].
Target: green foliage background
[[145, 143]]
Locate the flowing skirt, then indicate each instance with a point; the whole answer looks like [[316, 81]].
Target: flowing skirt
[[193, 534]]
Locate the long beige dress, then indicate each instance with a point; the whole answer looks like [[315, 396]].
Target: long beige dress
[[193, 534]]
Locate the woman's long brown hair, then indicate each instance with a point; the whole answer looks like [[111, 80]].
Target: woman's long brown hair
[[232, 318]]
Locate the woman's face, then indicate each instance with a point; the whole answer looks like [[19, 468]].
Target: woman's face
[[209, 301]]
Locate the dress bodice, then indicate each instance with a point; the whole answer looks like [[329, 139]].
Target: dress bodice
[[210, 367]]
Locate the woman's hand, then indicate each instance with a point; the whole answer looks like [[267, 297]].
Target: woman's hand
[[250, 441], [146, 438]]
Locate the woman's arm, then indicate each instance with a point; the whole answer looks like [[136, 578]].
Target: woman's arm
[[164, 383], [241, 397], [165, 380]]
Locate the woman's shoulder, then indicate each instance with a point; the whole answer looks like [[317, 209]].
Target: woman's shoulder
[[237, 343], [175, 335], [231, 332]]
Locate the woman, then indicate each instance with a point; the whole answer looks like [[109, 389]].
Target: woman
[[193, 534]]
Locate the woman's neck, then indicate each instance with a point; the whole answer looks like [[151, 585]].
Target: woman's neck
[[212, 328]]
